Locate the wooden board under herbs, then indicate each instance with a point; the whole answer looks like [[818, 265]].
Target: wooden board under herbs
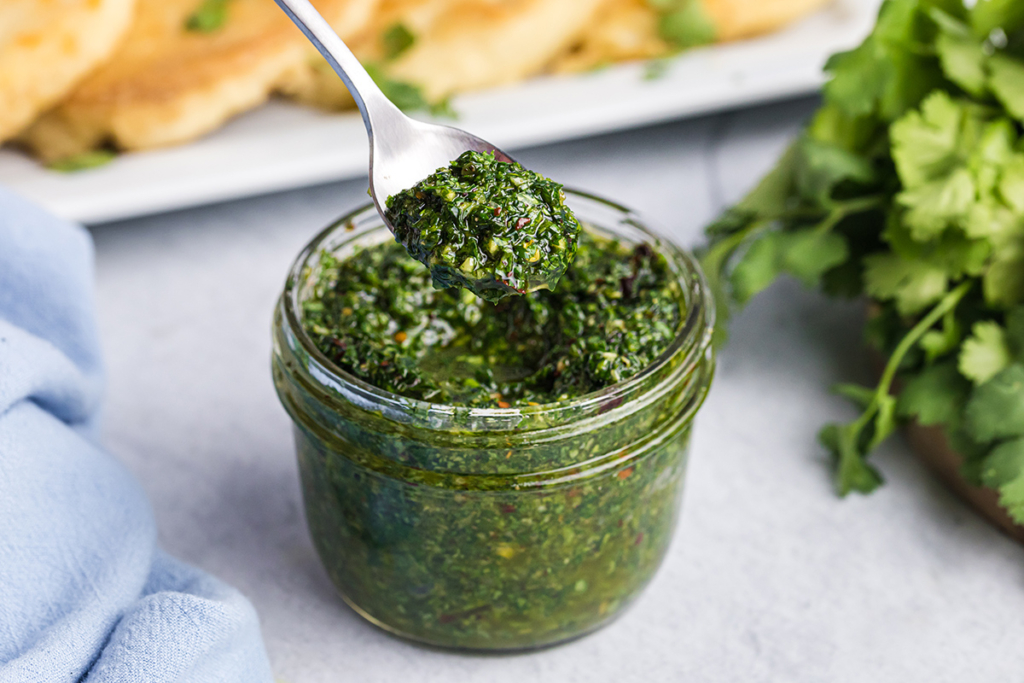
[[931, 446]]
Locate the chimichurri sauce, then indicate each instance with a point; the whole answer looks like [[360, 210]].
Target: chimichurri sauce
[[498, 530], [376, 316], [495, 228]]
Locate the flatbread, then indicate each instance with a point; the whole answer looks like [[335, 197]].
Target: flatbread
[[46, 46], [628, 29], [736, 19], [459, 45], [623, 30], [166, 85]]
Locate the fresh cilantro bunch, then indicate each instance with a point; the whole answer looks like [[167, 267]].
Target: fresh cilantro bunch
[[907, 187]]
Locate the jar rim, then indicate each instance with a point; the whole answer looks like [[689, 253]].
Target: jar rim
[[692, 336]]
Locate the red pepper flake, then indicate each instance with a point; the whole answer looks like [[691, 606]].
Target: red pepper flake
[[523, 222], [624, 473], [507, 508], [639, 538], [611, 404], [504, 404], [497, 211], [467, 614]]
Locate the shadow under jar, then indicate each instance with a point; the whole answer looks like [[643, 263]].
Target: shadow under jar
[[492, 529]]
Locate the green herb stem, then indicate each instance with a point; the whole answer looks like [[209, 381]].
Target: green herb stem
[[946, 305]]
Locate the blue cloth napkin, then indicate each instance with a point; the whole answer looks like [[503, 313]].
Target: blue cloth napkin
[[85, 594]]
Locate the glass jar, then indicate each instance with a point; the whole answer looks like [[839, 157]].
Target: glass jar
[[556, 515]]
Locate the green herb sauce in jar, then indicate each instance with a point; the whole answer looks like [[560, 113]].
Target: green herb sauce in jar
[[492, 227], [492, 477], [376, 316]]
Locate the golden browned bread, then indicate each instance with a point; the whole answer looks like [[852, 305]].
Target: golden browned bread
[[744, 18], [931, 446], [458, 45], [46, 46], [623, 30], [166, 84], [629, 29]]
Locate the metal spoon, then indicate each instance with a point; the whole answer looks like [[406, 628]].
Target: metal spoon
[[403, 151]]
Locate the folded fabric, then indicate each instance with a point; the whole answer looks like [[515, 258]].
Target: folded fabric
[[85, 594]]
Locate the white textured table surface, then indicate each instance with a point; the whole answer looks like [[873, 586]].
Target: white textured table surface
[[769, 578]]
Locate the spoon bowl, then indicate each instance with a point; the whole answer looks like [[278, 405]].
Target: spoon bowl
[[403, 151]]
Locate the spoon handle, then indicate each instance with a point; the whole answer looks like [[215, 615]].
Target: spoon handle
[[372, 103]]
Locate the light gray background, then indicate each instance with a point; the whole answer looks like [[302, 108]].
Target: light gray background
[[770, 577]]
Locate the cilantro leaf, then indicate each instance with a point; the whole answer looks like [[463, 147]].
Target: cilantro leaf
[[806, 254], [1011, 184], [925, 142], [809, 254], [855, 134], [937, 205], [758, 267], [773, 194], [913, 285], [821, 166], [887, 74], [1006, 79], [996, 408], [858, 79], [1003, 470], [1015, 330], [990, 219], [1004, 464], [934, 396], [1011, 497], [908, 186], [1003, 281], [952, 251], [853, 473], [963, 61], [989, 15], [985, 353], [994, 148]]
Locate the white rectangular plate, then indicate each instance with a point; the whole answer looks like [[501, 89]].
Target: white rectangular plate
[[282, 146]]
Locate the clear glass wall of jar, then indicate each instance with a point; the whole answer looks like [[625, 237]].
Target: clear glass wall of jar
[[553, 517]]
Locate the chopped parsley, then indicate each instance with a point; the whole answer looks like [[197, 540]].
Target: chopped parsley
[[86, 160], [684, 23], [408, 96], [396, 40], [208, 17]]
